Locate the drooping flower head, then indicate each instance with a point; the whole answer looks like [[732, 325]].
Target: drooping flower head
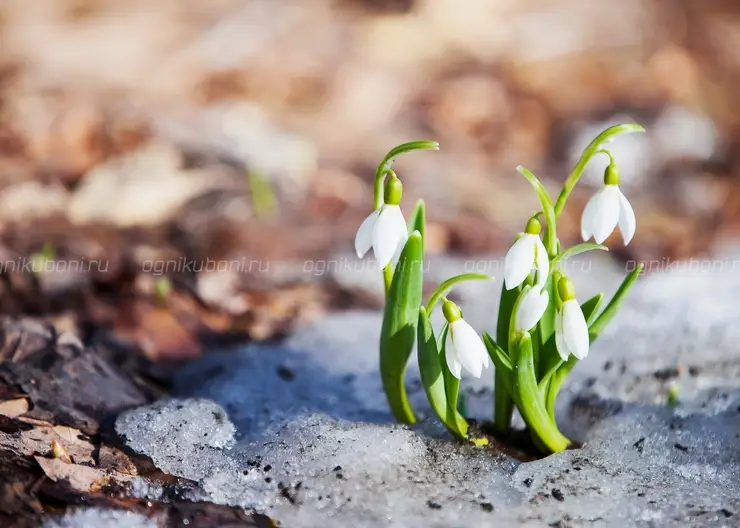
[[527, 253], [465, 347], [571, 329], [385, 229], [606, 209], [531, 308]]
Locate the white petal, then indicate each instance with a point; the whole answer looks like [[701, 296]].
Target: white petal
[[471, 352], [531, 308], [587, 219], [364, 236], [390, 232], [606, 215], [560, 343], [543, 263], [519, 261], [627, 221], [575, 329], [452, 363]]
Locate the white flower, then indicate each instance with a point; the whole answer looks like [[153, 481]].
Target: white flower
[[604, 211], [464, 347], [571, 329], [528, 252], [531, 308], [385, 231]]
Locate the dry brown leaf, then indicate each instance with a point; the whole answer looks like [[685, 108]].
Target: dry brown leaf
[[39, 440], [81, 478], [14, 408]]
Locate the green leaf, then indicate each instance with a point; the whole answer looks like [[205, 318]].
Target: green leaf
[[503, 403], [449, 283], [452, 385], [528, 401], [417, 221], [595, 329], [432, 379], [547, 209], [589, 152], [576, 250], [590, 308], [385, 165], [500, 360], [545, 381], [400, 320]]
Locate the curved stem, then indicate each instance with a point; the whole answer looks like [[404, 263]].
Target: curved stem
[[385, 165], [589, 152], [449, 283]]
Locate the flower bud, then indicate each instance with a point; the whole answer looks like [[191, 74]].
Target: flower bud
[[393, 190], [566, 290], [533, 227], [611, 174], [451, 311]]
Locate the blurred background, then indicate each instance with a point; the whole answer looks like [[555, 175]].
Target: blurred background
[[139, 131]]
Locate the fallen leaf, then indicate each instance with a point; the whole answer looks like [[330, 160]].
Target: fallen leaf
[[14, 408], [81, 478]]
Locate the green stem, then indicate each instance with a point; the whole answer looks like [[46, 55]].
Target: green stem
[[385, 166], [449, 283], [527, 397], [589, 152]]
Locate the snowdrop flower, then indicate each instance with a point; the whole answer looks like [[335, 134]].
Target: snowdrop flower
[[606, 209], [527, 252], [385, 229], [465, 347], [571, 330], [531, 308]]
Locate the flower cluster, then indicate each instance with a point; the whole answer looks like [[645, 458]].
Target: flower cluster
[[542, 331]]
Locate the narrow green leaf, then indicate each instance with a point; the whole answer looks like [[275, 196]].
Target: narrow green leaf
[[556, 382], [528, 401], [449, 283], [503, 408], [589, 152], [385, 165], [417, 220], [547, 209], [590, 308], [452, 385], [400, 320], [500, 360], [576, 250], [432, 378], [545, 381], [595, 329]]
